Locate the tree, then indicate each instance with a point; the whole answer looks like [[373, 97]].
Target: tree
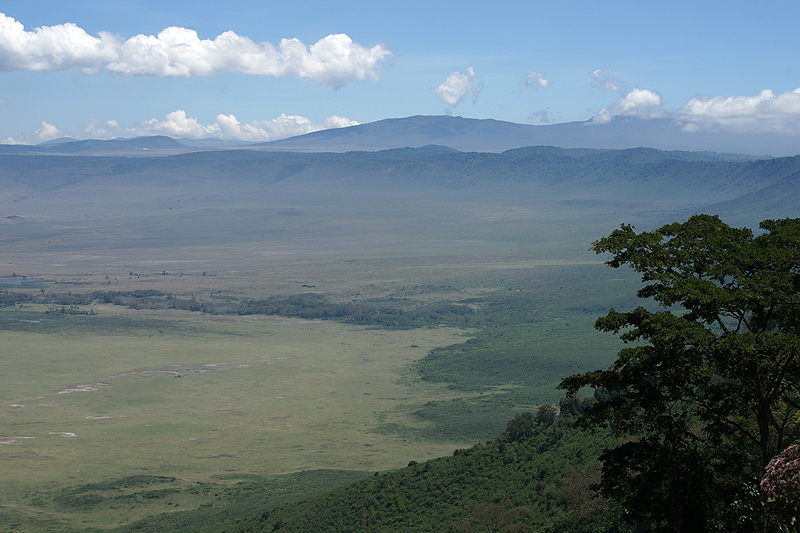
[[546, 414], [520, 427], [708, 388]]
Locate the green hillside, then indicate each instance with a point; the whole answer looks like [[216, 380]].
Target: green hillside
[[535, 476], [522, 480]]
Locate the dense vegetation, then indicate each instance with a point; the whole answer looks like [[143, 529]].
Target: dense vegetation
[[224, 501], [536, 476], [709, 387]]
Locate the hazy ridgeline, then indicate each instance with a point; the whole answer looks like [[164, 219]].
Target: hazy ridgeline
[[210, 317]]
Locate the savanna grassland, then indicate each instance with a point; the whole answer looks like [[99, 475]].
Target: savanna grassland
[[166, 393], [195, 335], [206, 397]]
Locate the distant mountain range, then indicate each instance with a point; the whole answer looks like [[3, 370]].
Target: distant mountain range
[[462, 134], [486, 135]]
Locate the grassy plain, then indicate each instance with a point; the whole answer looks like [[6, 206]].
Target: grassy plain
[[174, 393], [265, 395]]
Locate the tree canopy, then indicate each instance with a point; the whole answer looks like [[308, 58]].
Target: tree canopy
[[708, 387]]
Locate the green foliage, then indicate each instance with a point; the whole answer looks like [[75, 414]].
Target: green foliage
[[398, 315], [230, 501], [534, 480], [468, 420], [527, 340], [521, 426], [546, 414], [224, 501], [710, 392], [10, 298], [531, 333]]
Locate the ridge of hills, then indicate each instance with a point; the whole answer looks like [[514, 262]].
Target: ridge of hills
[[150, 145], [639, 179], [458, 133]]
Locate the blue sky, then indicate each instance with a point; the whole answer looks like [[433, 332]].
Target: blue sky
[[213, 69]]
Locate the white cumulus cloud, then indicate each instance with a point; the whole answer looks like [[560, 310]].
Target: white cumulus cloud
[[763, 112], [457, 85], [633, 102], [536, 80], [642, 103], [225, 127], [177, 52], [639, 103], [50, 48], [48, 132]]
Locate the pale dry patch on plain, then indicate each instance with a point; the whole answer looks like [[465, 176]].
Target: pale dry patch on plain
[[13, 440], [85, 388]]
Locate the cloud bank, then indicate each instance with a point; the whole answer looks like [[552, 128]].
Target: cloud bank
[[764, 112], [453, 89], [225, 127], [176, 52], [761, 113]]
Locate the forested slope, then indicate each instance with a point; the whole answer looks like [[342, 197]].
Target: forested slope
[[535, 476]]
